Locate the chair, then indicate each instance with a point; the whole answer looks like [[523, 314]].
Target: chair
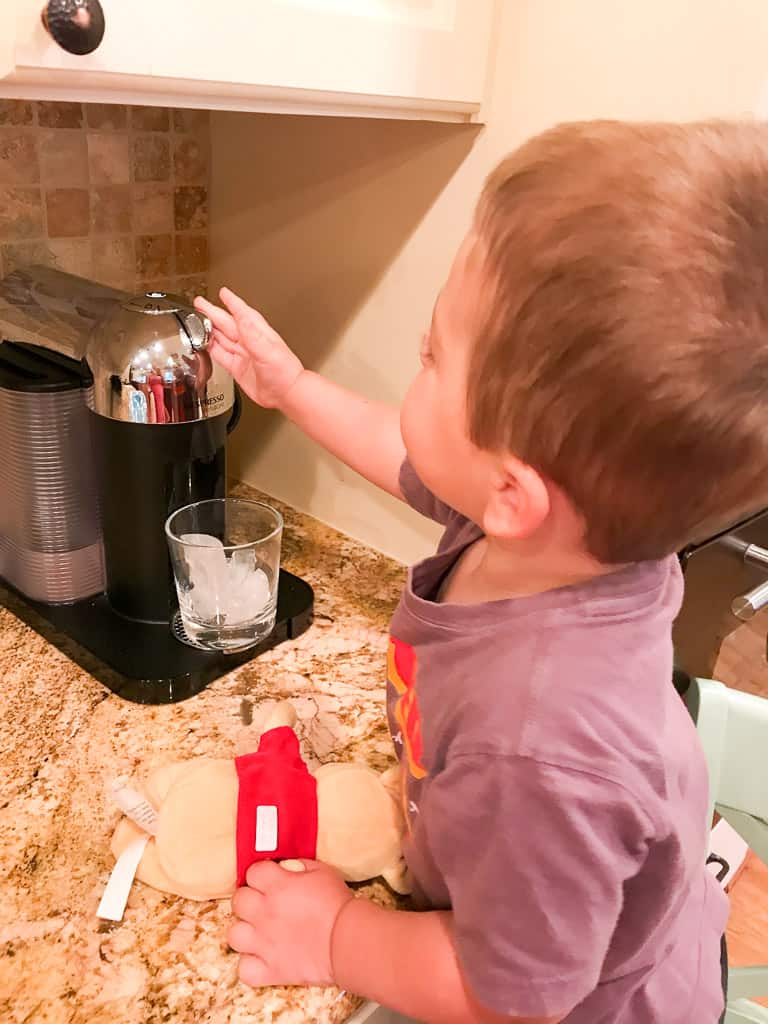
[[733, 728]]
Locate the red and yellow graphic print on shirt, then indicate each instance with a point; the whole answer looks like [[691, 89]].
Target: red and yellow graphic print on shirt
[[401, 673]]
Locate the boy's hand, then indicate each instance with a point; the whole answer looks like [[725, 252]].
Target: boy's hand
[[248, 348], [285, 924]]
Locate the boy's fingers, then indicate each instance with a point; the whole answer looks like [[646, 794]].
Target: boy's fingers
[[219, 317], [224, 340], [240, 309], [263, 875], [297, 866], [302, 864], [248, 904], [224, 358], [254, 972], [243, 938]]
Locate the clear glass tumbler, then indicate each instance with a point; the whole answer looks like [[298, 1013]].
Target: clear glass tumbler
[[226, 562]]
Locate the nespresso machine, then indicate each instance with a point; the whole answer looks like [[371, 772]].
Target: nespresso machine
[[112, 416]]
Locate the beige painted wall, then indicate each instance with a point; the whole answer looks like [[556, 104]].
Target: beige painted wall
[[342, 230]]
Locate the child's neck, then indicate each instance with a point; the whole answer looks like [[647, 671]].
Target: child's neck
[[490, 570]]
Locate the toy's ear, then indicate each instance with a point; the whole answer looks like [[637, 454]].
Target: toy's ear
[[390, 780], [398, 878], [160, 781], [283, 713]]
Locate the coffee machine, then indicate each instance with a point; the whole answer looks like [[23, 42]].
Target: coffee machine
[[112, 416]]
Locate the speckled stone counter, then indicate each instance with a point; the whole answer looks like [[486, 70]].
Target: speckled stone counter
[[63, 738]]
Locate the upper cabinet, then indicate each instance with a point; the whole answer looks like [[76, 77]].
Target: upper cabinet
[[391, 58]]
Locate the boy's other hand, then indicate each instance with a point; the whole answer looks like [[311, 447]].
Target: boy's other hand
[[285, 923], [247, 347]]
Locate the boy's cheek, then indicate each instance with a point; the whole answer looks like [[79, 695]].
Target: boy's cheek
[[407, 408], [422, 425]]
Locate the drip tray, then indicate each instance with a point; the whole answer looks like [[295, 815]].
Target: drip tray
[[144, 662]]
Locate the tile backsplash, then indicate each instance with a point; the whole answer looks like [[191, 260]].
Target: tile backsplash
[[118, 194]]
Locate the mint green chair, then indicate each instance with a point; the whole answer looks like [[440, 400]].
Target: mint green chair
[[733, 728]]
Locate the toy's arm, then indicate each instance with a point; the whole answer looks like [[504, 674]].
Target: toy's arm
[[398, 878], [283, 713], [407, 962]]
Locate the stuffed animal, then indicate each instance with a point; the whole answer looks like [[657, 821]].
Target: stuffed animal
[[217, 816]]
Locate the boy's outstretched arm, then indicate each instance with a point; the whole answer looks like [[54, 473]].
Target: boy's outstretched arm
[[363, 434], [407, 962], [307, 929]]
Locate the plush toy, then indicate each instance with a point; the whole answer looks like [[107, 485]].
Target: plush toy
[[215, 817]]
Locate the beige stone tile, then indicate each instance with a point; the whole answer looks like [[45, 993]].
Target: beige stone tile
[[72, 255], [63, 159], [21, 213], [16, 112], [190, 160], [25, 254], [105, 117], [152, 209], [195, 122], [191, 254], [113, 261], [151, 158], [19, 163], [109, 159], [153, 256], [111, 209], [189, 287], [150, 119], [68, 212], [190, 203], [59, 115]]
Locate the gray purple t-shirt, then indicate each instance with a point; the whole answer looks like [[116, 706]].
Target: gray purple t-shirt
[[555, 791]]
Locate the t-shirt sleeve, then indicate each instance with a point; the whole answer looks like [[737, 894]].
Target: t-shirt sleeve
[[535, 858], [420, 497]]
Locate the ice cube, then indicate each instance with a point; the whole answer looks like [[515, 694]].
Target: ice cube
[[242, 564], [248, 598], [207, 572], [203, 540], [256, 591], [203, 554]]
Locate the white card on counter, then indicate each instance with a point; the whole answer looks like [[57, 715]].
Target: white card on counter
[[112, 905], [266, 828]]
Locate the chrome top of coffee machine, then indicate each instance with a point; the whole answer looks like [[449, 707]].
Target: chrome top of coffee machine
[[150, 363], [112, 416]]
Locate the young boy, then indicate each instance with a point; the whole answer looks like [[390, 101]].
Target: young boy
[[593, 396]]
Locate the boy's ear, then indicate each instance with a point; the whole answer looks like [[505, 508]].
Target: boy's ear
[[518, 503]]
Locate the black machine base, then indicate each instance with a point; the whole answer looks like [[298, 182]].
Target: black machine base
[[144, 662]]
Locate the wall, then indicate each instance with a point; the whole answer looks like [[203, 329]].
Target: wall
[[116, 193], [342, 231]]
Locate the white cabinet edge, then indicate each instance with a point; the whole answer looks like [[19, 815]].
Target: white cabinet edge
[[101, 88]]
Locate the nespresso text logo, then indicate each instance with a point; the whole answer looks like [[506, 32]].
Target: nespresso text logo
[[213, 400]]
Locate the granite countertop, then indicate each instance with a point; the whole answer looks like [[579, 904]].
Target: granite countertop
[[64, 737]]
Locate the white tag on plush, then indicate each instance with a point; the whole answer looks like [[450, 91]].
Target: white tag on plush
[[266, 828], [112, 905], [134, 806]]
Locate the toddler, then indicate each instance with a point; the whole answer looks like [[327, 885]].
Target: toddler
[[593, 396]]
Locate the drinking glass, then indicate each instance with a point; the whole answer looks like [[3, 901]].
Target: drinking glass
[[225, 554]]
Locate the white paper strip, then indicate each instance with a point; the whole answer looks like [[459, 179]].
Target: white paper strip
[[266, 828], [112, 905]]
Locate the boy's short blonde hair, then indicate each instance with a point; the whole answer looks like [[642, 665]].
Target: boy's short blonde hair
[[624, 349]]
